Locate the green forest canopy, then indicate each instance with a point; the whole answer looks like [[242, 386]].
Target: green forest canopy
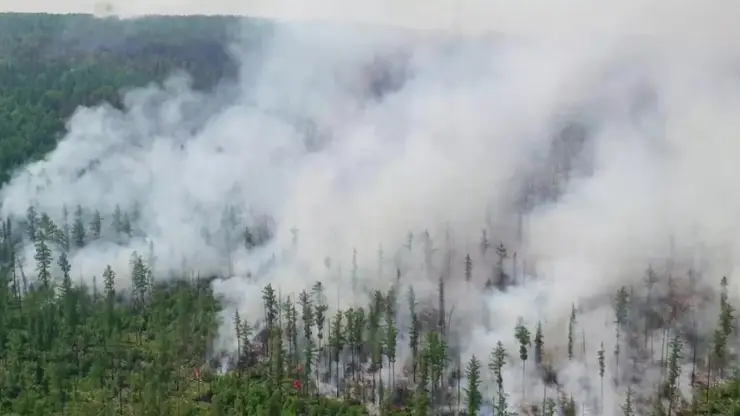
[[51, 64], [89, 351]]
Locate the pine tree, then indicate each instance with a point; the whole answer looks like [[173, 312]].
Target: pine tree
[[291, 330], [118, 221], [63, 236], [65, 267], [271, 306], [390, 335], [468, 268], [126, 224], [337, 341], [601, 357], [421, 395], [429, 250], [238, 333], [724, 329], [69, 310], [43, 259], [522, 335], [245, 332], [550, 407], [78, 229], [309, 352], [473, 396], [109, 279], [248, 239], [571, 330], [500, 275], [375, 337], [319, 316], [414, 337], [139, 279], [96, 225], [32, 223], [538, 344], [277, 359], [621, 302], [674, 370], [306, 314], [357, 335], [442, 314], [435, 354], [628, 407], [496, 365]]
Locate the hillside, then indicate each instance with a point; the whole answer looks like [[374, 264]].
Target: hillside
[[50, 65], [301, 229]]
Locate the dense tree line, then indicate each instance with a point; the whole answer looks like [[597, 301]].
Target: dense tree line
[[86, 347]]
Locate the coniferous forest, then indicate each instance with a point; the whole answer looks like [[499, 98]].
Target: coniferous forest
[[82, 345]]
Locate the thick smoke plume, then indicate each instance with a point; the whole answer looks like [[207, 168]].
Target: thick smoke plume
[[592, 142]]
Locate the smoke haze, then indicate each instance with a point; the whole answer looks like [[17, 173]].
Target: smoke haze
[[356, 136]]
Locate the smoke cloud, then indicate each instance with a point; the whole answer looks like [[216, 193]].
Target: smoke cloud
[[590, 141]]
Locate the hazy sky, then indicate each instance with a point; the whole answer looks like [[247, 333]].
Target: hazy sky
[[707, 21]]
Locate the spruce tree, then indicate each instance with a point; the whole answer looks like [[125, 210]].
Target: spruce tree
[[628, 406], [43, 259], [291, 331], [435, 354], [724, 329], [65, 267], [538, 344], [271, 307], [421, 395], [621, 301], [96, 225], [500, 275], [375, 337], [358, 334], [139, 279], [238, 333], [674, 371], [64, 233], [522, 335], [320, 310], [109, 280], [32, 223], [309, 350], [601, 357], [496, 365], [473, 396], [414, 337], [337, 342], [571, 331], [78, 229], [468, 268], [118, 221], [390, 335]]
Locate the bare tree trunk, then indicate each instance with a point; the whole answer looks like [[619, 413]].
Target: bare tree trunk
[[544, 397], [524, 387]]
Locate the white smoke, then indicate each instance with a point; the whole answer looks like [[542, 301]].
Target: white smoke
[[446, 152]]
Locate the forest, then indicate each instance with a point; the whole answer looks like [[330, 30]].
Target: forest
[[83, 346]]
